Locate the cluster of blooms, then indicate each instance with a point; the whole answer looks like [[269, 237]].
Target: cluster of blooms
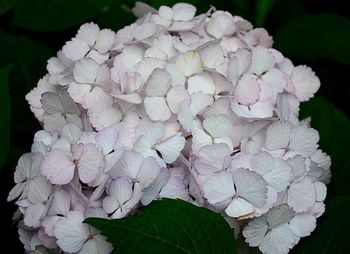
[[175, 105]]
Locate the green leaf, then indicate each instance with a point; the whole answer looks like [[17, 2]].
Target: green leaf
[[169, 226], [42, 15], [334, 128], [316, 36], [6, 5], [332, 232], [262, 9], [4, 114], [29, 58]]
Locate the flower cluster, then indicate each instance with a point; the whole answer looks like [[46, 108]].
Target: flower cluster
[[199, 108]]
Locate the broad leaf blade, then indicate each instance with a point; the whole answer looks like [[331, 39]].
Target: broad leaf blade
[[41, 15], [4, 114], [316, 36], [169, 226], [331, 234], [6, 5], [333, 126]]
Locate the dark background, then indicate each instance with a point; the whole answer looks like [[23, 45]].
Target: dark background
[[32, 31]]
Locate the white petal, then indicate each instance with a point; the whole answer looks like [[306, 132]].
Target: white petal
[[33, 215], [153, 131], [57, 167], [321, 191], [250, 186], [212, 158], [148, 172], [39, 190], [78, 91], [90, 163], [200, 139], [88, 32], [239, 207], [16, 191], [158, 84], [175, 188], [221, 24], [189, 63], [218, 126], [278, 241], [202, 82], [105, 40], [85, 71], [219, 187], [304, 140], [279, 215], [303, 224], [71, 133], [200, 101], [277, 135], [255, 231], [301, 195], [75, 49], [97, 245], [60, 203], [183, 11], [171, 147], [51, 103], [144, 31], [262, 60], [175, 97], [128, 165], [71, 233], [120, 189], [157, 109], [106, 139], [151, 192]]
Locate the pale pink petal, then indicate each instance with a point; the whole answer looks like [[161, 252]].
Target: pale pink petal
[[90, 163], [75, 49], [157, 109], [57, 167]]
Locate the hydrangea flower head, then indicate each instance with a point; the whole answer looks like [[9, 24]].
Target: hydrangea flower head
[[175, 105]]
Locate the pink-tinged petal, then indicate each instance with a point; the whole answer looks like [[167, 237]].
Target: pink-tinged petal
[[258, 36], [90, 163], [130, 56], [98, 100], [183, 12], [275, 79], [89, 33], [219, 187], [57, 167], [71, 233], [105, 40], [75, 49], [157, 109], [48, 223], [305, 82], [175, 188], [71, 133]]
